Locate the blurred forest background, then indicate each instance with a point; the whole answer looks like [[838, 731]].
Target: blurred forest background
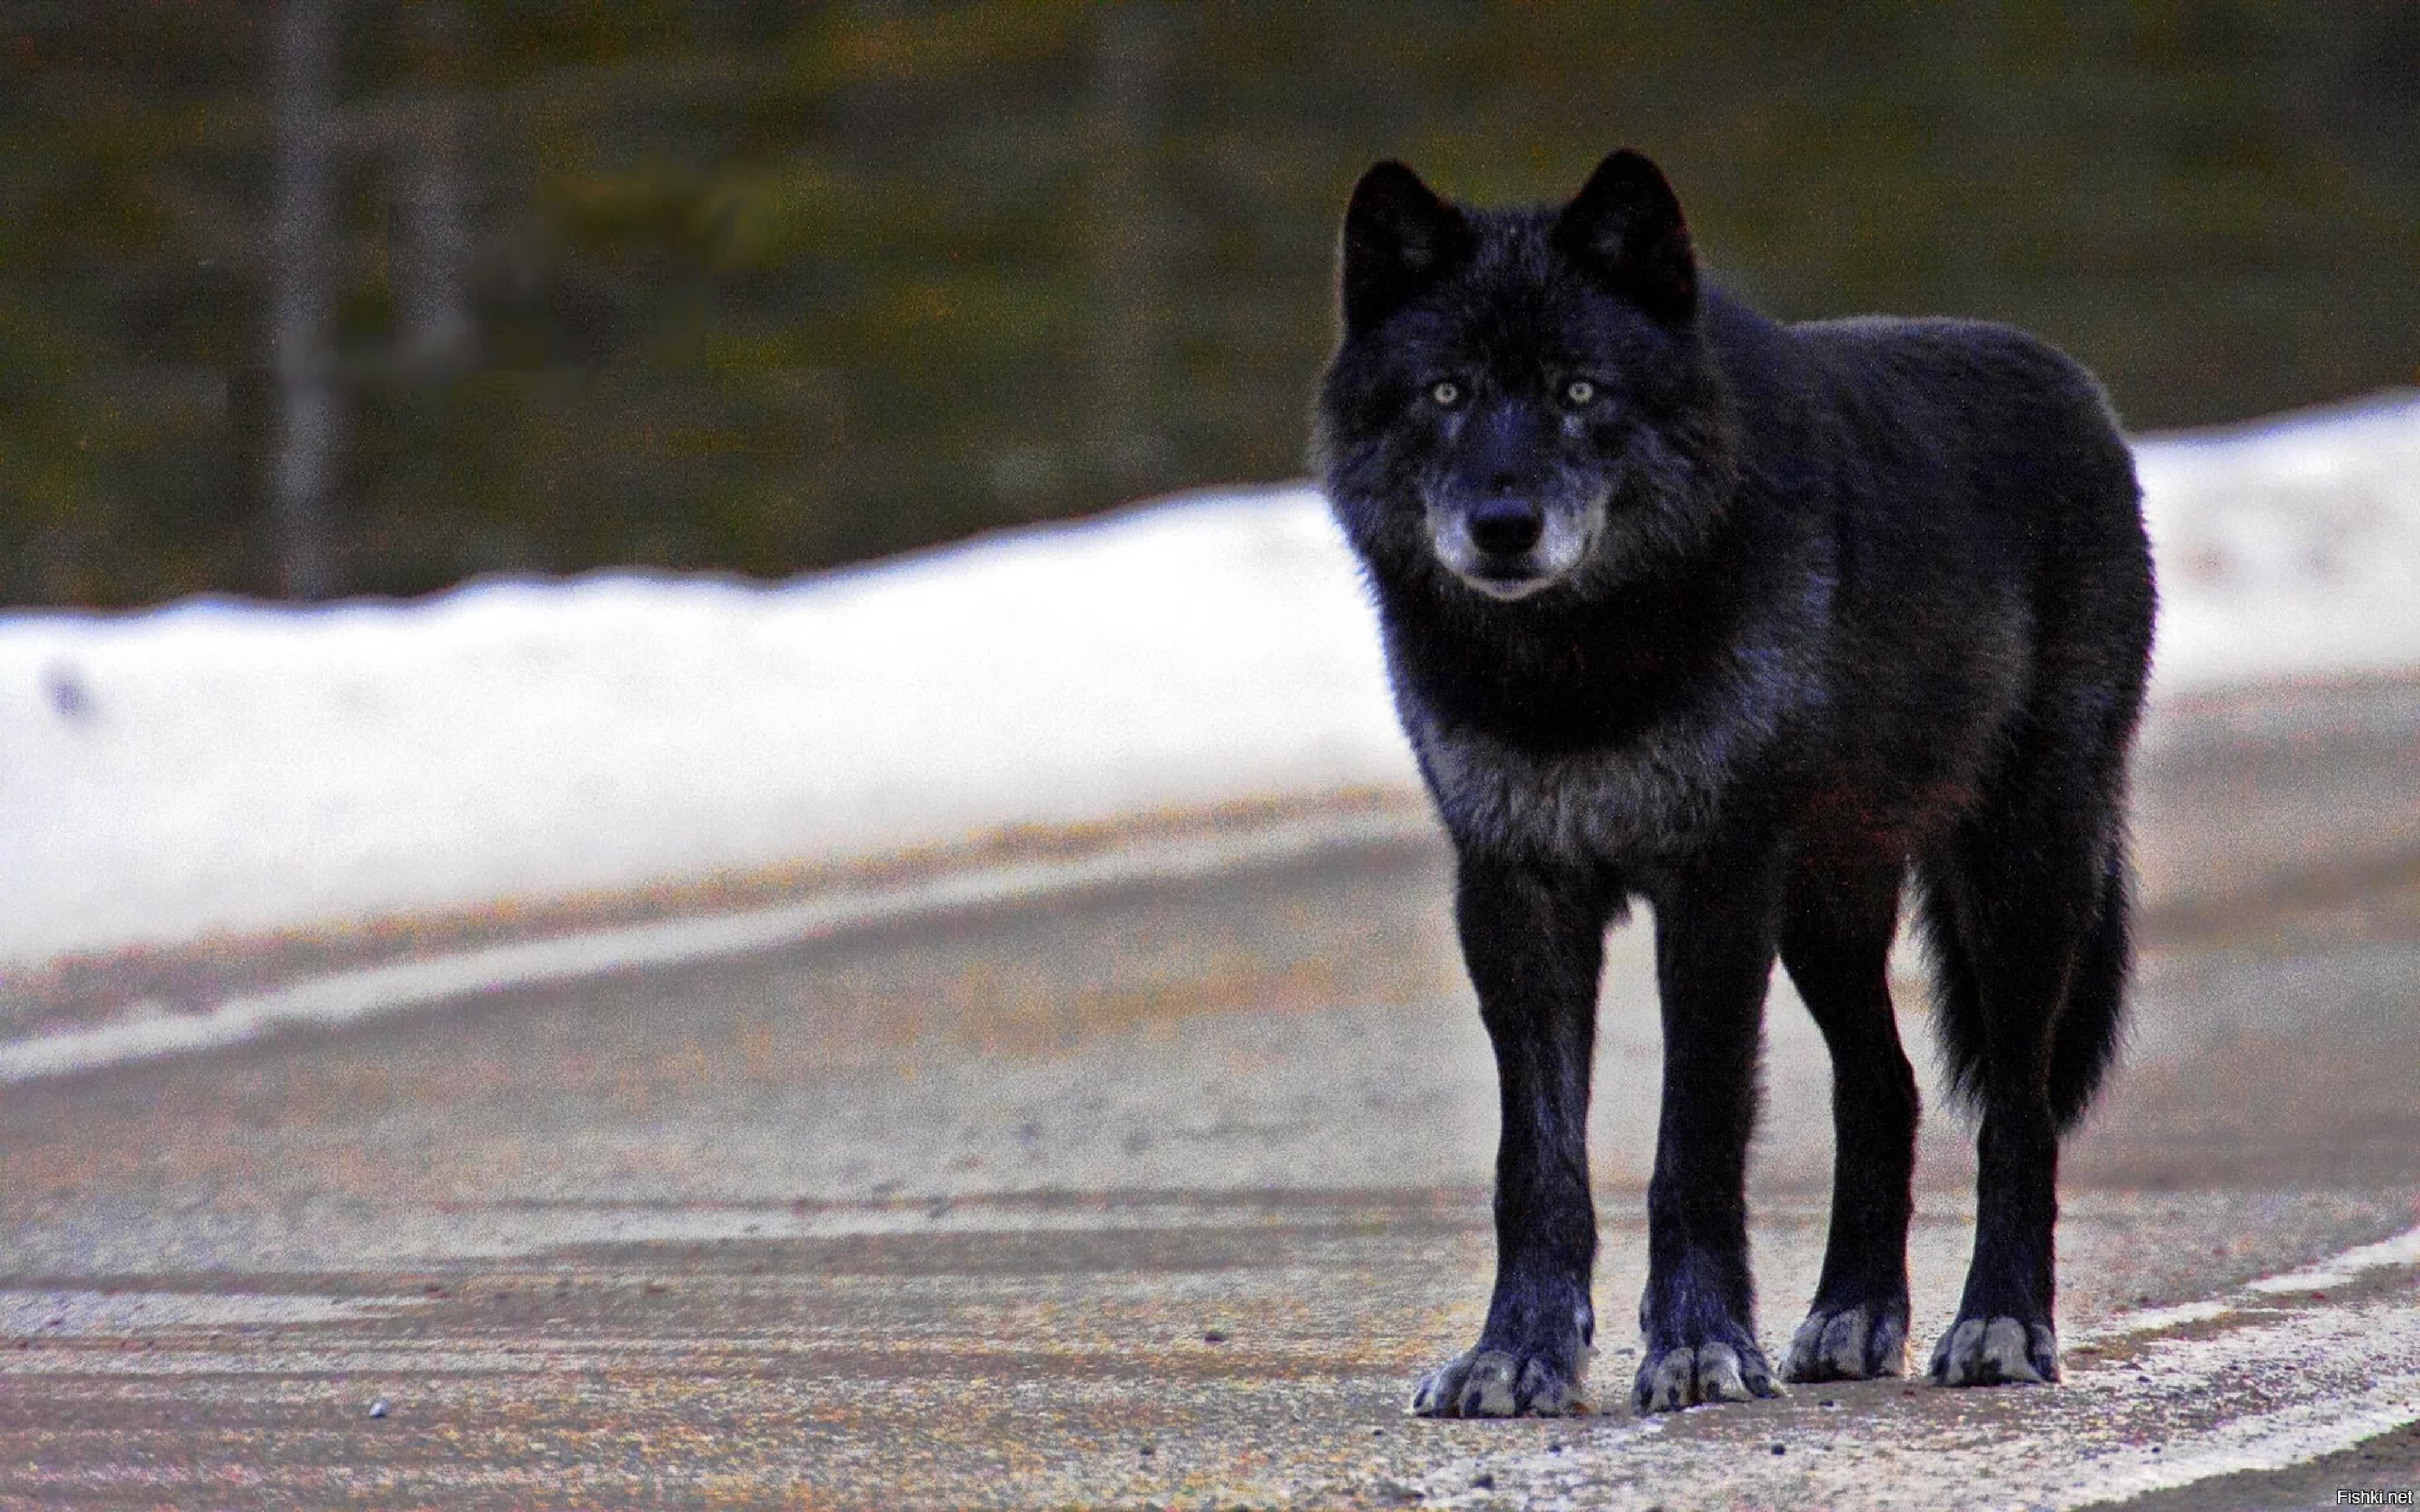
[[368, 296]]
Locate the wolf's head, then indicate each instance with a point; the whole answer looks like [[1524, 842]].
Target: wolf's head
[[1522, 397]]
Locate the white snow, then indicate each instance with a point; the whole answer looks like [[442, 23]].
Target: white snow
[[211, 766], [2287, 548]]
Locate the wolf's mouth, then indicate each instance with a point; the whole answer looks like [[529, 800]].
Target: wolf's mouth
[[1507, 583]]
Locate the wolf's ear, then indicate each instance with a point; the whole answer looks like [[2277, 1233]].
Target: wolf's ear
[[1626, 226], [1398, 236]]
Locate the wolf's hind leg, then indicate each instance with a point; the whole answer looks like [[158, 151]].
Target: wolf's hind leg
[[2034, 906], [1836, 944]]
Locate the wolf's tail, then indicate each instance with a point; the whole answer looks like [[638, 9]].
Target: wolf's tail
[[2090, 1023]]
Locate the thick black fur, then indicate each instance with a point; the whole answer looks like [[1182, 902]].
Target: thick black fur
[[1757, 623]]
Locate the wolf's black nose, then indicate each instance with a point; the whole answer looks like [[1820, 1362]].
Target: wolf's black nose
[[1506, 527]]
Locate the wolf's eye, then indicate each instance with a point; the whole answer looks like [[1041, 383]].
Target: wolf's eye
[[1445, 393], [1579, 392]]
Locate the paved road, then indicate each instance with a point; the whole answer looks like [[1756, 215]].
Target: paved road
[[1164, 1193]]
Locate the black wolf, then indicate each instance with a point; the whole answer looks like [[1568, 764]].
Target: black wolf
[[1757, 623]]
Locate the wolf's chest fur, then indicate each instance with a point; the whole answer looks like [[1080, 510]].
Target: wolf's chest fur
[[1649, 796], [1655, 790]]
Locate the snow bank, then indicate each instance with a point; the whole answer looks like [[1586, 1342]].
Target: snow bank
[[216, 767], [211, 766], [2287, 548]]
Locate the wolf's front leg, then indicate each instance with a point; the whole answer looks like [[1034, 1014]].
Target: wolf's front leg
[[1714, 944], [1534, 944]]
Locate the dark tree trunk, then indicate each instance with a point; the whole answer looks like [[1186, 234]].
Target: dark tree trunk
[[1129, 79], [429, 237], [302, 459]]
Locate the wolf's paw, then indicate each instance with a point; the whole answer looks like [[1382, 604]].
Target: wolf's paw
[[1996, 1351], [1669, 1380], [1855, 1342], [1501, 1383]]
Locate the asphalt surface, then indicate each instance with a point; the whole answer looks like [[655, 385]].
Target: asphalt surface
[[1164, 1194]]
